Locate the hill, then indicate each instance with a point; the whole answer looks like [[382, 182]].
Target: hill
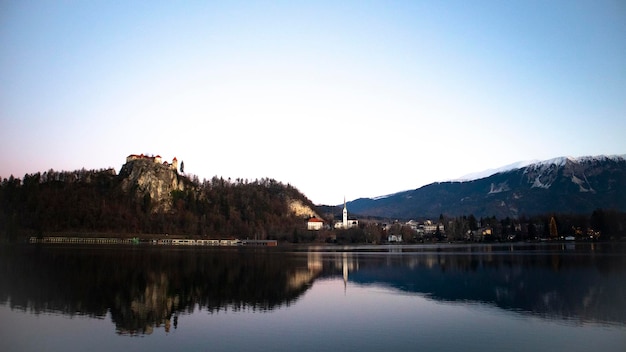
[[560, 185], [148, 197]]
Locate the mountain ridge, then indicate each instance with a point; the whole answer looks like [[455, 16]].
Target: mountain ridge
[[563, 184]]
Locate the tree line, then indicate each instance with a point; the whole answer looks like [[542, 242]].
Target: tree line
[[92, 201], [600, 225]]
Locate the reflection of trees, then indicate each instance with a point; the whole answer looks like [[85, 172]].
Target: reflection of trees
[[143, 288], [577, 282], [147, 287]]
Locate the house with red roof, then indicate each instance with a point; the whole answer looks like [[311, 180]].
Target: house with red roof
[[315, 224]]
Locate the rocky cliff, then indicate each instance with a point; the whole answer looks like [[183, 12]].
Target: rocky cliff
[[303, 210], [150, 181]]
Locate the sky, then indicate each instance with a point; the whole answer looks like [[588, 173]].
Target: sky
[[336, 98]]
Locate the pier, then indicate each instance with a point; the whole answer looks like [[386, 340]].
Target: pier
[[161, 241]]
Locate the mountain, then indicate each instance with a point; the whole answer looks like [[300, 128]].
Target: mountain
[[489, 172], [559, 185]]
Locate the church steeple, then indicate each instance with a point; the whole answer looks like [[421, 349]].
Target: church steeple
[[345, 214]]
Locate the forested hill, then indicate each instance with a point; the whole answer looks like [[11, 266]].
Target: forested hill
[[147, 198]]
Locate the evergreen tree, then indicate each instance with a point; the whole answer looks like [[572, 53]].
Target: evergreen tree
[[473, 225]]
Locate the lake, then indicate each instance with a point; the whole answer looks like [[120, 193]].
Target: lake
[[500, 297]]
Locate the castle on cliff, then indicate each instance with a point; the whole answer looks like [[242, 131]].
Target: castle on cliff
[[155, 159]]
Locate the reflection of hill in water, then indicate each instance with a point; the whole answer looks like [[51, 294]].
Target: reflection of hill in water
[[147, 287], [569, 283]]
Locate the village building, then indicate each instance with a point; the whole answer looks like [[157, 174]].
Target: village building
[[314, 224], [414, 225], [394, 238], [431, 227]]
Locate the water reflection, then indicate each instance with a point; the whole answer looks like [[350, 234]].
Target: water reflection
[[575, 283], [143, 288]]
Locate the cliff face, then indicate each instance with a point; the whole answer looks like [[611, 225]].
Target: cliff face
[[145, 177], [300, 209]]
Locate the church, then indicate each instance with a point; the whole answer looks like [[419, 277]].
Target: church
[[346, 223]]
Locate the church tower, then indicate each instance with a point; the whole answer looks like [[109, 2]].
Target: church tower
[[345, 214]]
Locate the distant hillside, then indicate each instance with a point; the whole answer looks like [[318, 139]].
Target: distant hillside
[[562, 185], [148, 197]]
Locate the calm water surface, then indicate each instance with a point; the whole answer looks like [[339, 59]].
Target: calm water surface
[[530, 297]]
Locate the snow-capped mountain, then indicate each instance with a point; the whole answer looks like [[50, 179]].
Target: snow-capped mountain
[[486, 173], [538, 163], [564, 184], [543, 174]]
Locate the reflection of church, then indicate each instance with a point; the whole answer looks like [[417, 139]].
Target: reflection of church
[[349, 264], [346, 223], [345, 272]]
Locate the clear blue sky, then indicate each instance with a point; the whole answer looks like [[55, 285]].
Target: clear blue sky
[[354, 99]]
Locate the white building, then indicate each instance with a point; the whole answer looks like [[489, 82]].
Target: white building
[[346, 223], [394, 238], [414, 225], [430, 227]]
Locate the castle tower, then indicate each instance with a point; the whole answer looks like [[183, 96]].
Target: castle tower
[[345, 214], [175, 164]]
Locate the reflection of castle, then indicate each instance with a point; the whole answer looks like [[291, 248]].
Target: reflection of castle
[[154, 307], [144, 289], [155, 159]]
